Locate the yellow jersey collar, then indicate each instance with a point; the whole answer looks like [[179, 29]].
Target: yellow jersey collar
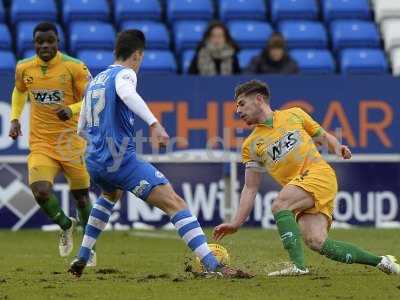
[[56, 59]]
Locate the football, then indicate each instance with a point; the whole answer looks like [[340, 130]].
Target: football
[[220, 253]]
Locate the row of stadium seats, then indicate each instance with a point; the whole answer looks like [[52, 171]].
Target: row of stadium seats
[[307, 39], [187, 34], [310, 61], [99, 10]]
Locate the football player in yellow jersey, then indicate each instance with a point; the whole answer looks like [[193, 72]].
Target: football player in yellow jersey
[[284, 144], [55, 84]]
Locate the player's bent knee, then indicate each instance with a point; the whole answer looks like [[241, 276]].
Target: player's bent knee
[[81, 197], [82, 202], [281, 203], [315, 243], [278, 205], [41, 191]]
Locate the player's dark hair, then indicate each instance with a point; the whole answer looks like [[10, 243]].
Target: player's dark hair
[[253, 87], [45, 26], [128, 42]]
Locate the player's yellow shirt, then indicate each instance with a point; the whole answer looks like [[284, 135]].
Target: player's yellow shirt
[[284, 145], [51, 85]]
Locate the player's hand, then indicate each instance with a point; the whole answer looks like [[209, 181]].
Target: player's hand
[[64, 113], [15, 129], [224, 229], [159, 137], [345, 152]]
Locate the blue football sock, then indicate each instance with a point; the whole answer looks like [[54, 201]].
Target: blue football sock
[[190, 231], [98, 219]]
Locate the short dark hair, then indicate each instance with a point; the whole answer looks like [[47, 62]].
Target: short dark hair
[[127, 42], [45, 26], [252, 87]]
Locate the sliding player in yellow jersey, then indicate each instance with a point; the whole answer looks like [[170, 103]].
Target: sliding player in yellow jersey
[[54, 83], [283, 143]]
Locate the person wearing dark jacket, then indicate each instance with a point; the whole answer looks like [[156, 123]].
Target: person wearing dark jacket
[[216, 53], [274, 59]]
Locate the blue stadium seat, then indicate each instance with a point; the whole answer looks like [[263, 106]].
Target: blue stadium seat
[[136, 10], [33, 10], [85, 10], [246, 55], [188, 34], [158, 61], [5, 37], [250, 34], [314, 61], [186, 60], [353, 34], [91, 35], [304, 34], [345, 9], [2, 12], [96, 60], [157, 36], [363, 61], [7, 61], [189, 10], [242, 9], [293, 9], [25, 36]]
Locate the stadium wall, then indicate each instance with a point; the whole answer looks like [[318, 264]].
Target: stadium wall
[[199, 115]]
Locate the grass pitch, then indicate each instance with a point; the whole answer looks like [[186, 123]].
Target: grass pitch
[[150, 265]]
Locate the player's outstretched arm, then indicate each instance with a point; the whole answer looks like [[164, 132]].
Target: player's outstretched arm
[[334, 146], [253, 179], [17, 106], [321, 137]]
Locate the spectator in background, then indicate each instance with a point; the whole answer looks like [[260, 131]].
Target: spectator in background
[[274, 59], [216, 53]]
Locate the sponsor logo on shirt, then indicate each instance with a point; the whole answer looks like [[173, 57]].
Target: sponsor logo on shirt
[[48, 96], [279, 149]]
